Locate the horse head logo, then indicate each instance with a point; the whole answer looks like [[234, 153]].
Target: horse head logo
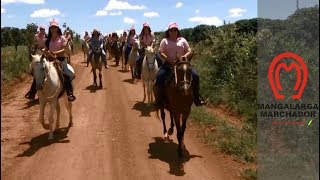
[[301, 74]]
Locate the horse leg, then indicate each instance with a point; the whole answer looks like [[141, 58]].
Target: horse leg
[[163, 118], [100, 78], [58, 115], [179, 133], [183, 128], [53, 106], [69, 109], [144, 91], [94, 78], [42, 105], [170, 132], [149, 88]]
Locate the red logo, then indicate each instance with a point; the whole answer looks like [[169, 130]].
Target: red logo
[[274, 74]]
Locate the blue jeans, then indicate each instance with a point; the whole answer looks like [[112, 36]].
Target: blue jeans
[[139, 63], [163, 75], [126, 54]]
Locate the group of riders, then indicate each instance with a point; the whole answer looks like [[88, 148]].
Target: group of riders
[[172, 47]]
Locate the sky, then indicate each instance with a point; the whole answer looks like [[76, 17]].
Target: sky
[[118, 15]]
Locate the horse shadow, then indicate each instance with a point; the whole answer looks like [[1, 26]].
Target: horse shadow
[[131, 81], [31, 103], [143, 108], [167, 152], [93, 88], [42, 141]]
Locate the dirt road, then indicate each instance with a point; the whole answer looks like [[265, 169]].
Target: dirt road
[[115, 136]]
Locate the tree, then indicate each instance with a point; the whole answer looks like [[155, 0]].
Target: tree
[[31, 31], [16, 37], [6, 37]]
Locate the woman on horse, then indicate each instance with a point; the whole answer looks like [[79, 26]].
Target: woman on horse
[[130, 41], [39, 43], [69, 39], [96, 42], [86, 36], [123, 39], [171, 47], [55, 47], [146, 38]]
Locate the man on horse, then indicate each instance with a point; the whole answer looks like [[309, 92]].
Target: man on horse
[[96, 42], [39, 44], [146, 38], [171, 47]]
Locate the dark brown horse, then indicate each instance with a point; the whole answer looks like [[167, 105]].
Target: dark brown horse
[[179, 99]]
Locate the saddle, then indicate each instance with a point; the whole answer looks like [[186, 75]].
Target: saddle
[[58, 65]]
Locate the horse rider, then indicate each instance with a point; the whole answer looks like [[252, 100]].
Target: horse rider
[[96, 42], [171, 47], [55, 47], [146, 38], [69, 39], [86, 38], [39, 43], [130, 42], [123, 39]]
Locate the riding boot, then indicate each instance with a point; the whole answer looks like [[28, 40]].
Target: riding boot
[[32, 92], [69, 88], [197, 99]]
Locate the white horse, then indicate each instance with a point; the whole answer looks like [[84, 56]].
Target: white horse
[[49, 86], [133, 57], [85, 49], [149, 72]]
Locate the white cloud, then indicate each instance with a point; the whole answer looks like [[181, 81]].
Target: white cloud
[[116, 13], [3, 11], [207, 20], [197, 11], [128, 20], [44, 13], [179, 4], [22, 1], [122, 5], [101, 13], [151, 14], [236, 12]]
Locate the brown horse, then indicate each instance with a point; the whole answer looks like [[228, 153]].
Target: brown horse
[[179, 99]]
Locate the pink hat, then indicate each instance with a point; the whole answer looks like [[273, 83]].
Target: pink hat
[[42, 27], [173, 25], [146, 25], [54, 23]]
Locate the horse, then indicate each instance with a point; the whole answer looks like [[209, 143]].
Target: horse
[[85, 49], [123, 55], [96, 63], [133, 57], [115, 51], [179, 99], [49, 87], [149, 72]]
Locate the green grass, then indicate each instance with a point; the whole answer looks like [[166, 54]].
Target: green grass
[[226, 137], [13, 63], [249, 174]]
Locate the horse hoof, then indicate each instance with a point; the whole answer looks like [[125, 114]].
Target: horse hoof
[[70, 125], [46, 126], [170, 132]]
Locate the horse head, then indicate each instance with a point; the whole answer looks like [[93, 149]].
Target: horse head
[[136, 44], [39, 67], [97, 51], [150, 56], [183, 76]]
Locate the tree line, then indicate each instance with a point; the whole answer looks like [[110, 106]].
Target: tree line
[[12, 36]]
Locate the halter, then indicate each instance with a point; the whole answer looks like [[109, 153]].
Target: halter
[[154, 61], [185, 81]]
